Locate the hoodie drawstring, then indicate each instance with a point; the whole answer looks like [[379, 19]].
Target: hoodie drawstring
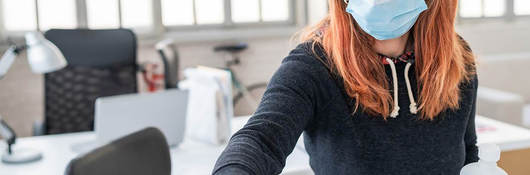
[[413, 105], [395, 111]]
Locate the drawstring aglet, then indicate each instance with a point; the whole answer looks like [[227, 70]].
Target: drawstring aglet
[[395, 112], [413, 108]]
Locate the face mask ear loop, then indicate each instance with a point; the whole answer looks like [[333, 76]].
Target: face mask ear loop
[[395, 111]]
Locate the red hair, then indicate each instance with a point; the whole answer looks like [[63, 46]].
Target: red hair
[[443, 59]]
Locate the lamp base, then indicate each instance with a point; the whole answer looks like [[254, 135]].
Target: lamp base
[[20, 156]]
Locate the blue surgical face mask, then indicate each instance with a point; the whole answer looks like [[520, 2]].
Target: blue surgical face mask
[[386, 19]]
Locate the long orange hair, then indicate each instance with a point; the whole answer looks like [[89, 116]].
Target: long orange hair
[[443, 59]]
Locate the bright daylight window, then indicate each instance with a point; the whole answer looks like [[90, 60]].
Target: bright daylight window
[[19, 15], [56, 14], [136, 13], [103, 14], [482, 8], [522, 7], [244, 11], [214, 12], [115, 13], [27, 15], [493, 8]]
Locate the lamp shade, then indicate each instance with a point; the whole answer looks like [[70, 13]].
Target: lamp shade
[[43, 56]]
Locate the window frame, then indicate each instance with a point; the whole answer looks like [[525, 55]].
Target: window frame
[[297, 19]]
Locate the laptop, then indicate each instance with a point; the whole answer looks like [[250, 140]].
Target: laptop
[[117, 116]]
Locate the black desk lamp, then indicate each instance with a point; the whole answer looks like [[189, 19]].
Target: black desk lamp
[[43, 57]]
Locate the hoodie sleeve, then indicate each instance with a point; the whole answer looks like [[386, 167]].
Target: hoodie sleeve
[[270, 135], [471, 135]]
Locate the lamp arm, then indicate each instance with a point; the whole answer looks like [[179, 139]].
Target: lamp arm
[[8, 134], [7, 60]]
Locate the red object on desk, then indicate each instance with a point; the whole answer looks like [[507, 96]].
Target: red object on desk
[[152, 78], [485, 129]]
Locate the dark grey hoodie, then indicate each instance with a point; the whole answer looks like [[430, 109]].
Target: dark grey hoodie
[[304, 96]]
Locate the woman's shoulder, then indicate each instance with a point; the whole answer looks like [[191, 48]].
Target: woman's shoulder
[[305, 70], [311, 55]]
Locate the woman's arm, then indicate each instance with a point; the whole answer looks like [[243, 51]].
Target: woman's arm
[[471, 135], [288, 105]]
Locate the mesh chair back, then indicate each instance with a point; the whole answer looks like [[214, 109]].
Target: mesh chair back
[[100, 63]]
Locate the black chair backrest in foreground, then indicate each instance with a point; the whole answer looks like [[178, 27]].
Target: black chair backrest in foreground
[[145, 152], [100, 63]]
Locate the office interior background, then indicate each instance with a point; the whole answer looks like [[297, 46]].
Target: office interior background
[[497, 30], [494, 29]]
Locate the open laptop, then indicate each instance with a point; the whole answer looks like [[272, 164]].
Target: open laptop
[[117, 116]]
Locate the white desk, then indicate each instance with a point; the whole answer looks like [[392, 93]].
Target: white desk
[[197, 158], [190, 158], [508, 137]]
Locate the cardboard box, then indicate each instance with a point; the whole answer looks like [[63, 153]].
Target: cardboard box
[[516, 162]]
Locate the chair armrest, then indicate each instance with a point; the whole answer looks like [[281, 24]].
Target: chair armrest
[[500, 105], [38, 128]]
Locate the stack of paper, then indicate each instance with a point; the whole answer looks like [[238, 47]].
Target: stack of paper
[[210, 105]]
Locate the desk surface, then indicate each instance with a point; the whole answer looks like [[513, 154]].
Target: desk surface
[[193, 157], [189, 158], [508, 137]]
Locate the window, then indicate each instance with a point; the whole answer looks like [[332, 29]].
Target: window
[[192, 12], [142, 15], [209, 11], [522, 7], [259, 10], [275, 10], [482, 8], [19, 15], [177, 12], [136, 13], [215, 12], [245, 11], [102, 14], [493, 8], [56, 14]]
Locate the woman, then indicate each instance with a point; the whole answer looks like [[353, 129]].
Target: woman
[[378, 87]]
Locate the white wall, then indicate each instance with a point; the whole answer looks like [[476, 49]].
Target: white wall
[[497, 37], [258, 62], [21, 97]]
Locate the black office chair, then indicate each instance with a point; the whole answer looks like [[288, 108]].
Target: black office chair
[[100, 63], [170, 57], [141, 153]]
